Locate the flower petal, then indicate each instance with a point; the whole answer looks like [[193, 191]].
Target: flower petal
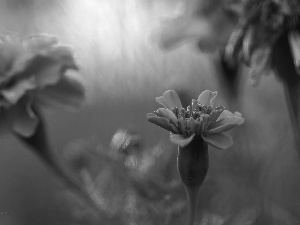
[[220, 141], [148, 115], [181, 126], [17, 91], [174, 125], [160, 121], [64, 55], [259, 64], [40, 42], [225, 124], [48, 73], [49, 68], [181, 140], [169, 100], [248, 44], [294, 40], [207, 98], [67, 92], [214, 115], [166, 113], [24, 120], [224, 114], [193, 126], [234, 44]]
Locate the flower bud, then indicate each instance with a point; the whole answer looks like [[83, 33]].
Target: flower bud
[[192, 162]]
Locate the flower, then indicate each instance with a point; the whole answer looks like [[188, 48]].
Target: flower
[[260, 26], [207, 24], [33, 72], [200, 119]]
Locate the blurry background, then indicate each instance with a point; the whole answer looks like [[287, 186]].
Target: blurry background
[[123, 73]]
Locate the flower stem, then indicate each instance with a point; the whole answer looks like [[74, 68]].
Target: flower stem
[[283, 63], [192, 162], [292, 98], [38, 142], [192, 197]]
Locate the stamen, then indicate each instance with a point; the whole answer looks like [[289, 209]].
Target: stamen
[[189, 110], [196, 115], [182, 112], [194, 103], [209, 110], [198, 107], [185, 127]]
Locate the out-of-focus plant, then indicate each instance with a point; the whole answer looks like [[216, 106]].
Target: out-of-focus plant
[[206, 25], [144, 188], [267, 37], [192, 129], [259, 31], [35, 72]]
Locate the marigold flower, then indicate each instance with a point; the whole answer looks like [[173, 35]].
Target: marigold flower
[[33, 73], [261, 24], [192, 129], [200, 119]]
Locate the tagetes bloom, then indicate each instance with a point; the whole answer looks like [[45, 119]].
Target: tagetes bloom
[[33, 73], [261, 23], [201, 118]]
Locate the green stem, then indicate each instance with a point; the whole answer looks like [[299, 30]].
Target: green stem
[[192, 163], [283, 63], [192, 197], [38, 142], [292, 98]]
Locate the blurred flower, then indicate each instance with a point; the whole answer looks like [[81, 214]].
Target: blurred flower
[[33, 73], [124, 141], [76, 155], [207, 23], [200, 119], [261, 23]]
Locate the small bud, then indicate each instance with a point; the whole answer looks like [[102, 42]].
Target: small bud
[[193, 162]]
